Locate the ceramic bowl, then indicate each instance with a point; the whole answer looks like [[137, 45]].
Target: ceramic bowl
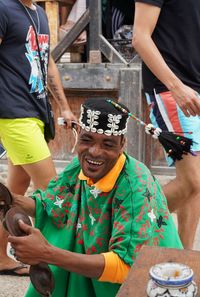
[[171, 274]]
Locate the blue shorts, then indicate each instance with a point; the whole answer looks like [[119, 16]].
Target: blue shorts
[[167, 115]]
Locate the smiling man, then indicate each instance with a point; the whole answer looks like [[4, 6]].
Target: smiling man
[[95, 216]]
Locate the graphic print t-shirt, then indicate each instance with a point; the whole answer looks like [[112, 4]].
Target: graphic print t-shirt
[[21, 81]]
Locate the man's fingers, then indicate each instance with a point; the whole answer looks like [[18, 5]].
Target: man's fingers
[[14, 239], [191, 108], [197, 106], [26, 228], [68, 124], [185, 111]]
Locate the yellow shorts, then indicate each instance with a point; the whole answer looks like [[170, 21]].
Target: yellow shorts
[[24, 140]]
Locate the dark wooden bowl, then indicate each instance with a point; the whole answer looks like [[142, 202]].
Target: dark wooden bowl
[[40, 274], [5, 200], [42, 279], [13, 215]]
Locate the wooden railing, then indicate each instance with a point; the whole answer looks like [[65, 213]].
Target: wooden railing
[[52, 9]]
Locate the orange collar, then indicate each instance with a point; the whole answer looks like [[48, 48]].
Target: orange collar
[[106, 183]]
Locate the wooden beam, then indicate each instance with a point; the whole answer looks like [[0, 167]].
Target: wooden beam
[[65, 2], [88, 78], [110, 52], [52, 11], [71, 36], [130, 94]]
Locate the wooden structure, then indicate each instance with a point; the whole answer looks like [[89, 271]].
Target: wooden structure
[[136, 282], [52, 9], [116, 78]]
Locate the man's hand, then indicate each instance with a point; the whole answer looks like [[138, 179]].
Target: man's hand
[[187, 99], [31, 248], [69, 117]]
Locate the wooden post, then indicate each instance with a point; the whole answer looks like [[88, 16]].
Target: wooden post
[[95, 31], [52, 10], [130, 95]]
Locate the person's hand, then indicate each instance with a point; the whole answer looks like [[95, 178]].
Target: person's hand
[[187, 99], [69, 118], [29, 249]]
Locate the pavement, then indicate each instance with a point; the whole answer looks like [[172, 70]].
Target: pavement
[[12, 286]]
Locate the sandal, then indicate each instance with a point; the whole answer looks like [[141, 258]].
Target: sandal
[[14, 271]]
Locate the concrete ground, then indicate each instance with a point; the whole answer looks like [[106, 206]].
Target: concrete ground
[[11, 286]]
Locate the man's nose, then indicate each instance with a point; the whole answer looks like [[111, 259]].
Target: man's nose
[[95, 150]]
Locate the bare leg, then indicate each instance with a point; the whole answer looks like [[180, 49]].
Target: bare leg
[[188, 218], [183, 196], [76, 12], [18, 182], [64, 12], [41, 172]]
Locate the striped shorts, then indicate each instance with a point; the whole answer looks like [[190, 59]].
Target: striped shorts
[[166, 114]]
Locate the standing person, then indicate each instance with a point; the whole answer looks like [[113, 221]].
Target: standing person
[[64, 11], [23, 103], [76, 12], [116, 13], [166, 36], [97, 214]]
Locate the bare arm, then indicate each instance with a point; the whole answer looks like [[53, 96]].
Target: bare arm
[[146, 17], [26, 203], [34, 249], [56, 88]]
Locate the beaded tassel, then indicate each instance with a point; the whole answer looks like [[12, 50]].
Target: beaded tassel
[[175, 145]]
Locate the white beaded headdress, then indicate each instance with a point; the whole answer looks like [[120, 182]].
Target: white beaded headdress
[[99, 116]]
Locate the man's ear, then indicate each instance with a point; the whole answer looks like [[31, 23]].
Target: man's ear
[[123, 144]]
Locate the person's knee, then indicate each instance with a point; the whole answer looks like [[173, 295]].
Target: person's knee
[[18, 180], [41, 172], [191, 184]]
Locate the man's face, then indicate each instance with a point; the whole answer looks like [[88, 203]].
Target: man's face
[[98, 153]]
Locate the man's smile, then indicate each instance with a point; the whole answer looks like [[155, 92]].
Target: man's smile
[[94, 163]]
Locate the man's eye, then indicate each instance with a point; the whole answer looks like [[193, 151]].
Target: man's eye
[[109, 145], [84, 139]]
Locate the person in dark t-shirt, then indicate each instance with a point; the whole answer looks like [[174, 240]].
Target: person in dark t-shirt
[[166, 36], [23, 110]]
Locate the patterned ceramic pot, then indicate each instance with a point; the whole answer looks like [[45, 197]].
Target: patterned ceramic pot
[[171, 280]]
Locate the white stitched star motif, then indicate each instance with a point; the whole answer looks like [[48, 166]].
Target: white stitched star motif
[[92, 219], [113, 123], [78, 226], [152, 216], [95, 192], [92, 118], [58, 202]]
